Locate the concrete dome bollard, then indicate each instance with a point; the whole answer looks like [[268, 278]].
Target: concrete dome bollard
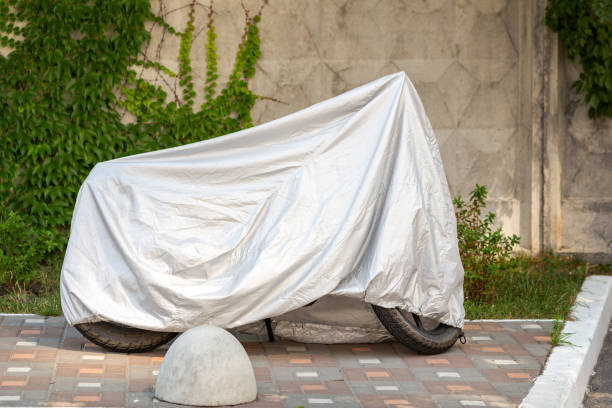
[[206, 366]]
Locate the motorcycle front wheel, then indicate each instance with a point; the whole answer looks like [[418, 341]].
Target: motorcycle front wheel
[[123, 339], [422, 335]]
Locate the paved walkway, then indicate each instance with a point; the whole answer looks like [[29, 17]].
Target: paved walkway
[[45, 363]]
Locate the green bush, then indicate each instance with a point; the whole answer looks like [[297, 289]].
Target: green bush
[[69, 76], [23, 248], [483, 248], [585, 28]]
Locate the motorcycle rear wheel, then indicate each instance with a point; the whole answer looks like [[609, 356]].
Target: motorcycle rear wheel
[[417, 333], [123, 339]]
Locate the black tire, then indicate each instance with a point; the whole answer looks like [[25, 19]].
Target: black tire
[[123, 339], [410, 331]]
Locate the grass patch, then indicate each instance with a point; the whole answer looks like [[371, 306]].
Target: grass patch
[[556, 337], [41, 296], [540, 287]]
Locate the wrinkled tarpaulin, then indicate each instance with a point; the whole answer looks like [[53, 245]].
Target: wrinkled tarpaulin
[[347, 197]]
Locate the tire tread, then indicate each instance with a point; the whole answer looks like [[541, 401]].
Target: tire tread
[[123, 339], [434, 342]]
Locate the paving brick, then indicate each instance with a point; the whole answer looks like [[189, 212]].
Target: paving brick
[[62, 384], [67, 370], [380, 401], [502, 338], [113, 398], [38, 397], [538, 350], [46, 362], [141, 386], [491, 327], [266, 387], [457, 387], [115, 371], [262, 373], [139, 399], [411, 387], [513, 388], [38, 383], [501, 375]]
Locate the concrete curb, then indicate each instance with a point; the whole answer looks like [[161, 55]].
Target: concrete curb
[[568, 368]]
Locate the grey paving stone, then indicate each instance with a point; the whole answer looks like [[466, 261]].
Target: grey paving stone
[[37, 368], [315, 348], [430, 374], [64, 384], [72, 333], [111, 384], [546, 325], [69, 356], [471, 374], [337, 401], [365, 388], [286, 373], [411, 387], [522, 362], [537, 349], [35, 396], [52, 342], [246, 336], [12, 321], [515, 389], [390, 362], [7, 342], [266, 387], [347, 362], [502, 338], [258, 360], [294, 401], [512, 326], [139, 399], [447, 401]]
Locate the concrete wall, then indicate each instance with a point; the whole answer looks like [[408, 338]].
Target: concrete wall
[[586, 182], [493, 79]]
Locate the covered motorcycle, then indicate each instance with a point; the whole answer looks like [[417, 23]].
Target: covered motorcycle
[[344, 200]]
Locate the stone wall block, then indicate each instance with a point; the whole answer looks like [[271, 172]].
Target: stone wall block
[[458, 88], [297, 29], [489, 6], [353, 28], [485, 157], [490, 108], [590, 225], [435, 105], [423, 70], [489, 39]]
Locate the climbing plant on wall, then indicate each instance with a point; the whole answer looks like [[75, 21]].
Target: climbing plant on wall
[[585, 28], [175, 120], [71, 69]]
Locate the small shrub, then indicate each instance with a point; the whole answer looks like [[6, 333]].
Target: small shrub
[[483, 248], [23, 249]]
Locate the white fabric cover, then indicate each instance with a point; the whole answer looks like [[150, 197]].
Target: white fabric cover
[[347, 197]]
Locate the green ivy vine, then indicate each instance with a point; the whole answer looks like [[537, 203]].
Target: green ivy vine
[[71, 71], [585, 28], [177, 122]]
